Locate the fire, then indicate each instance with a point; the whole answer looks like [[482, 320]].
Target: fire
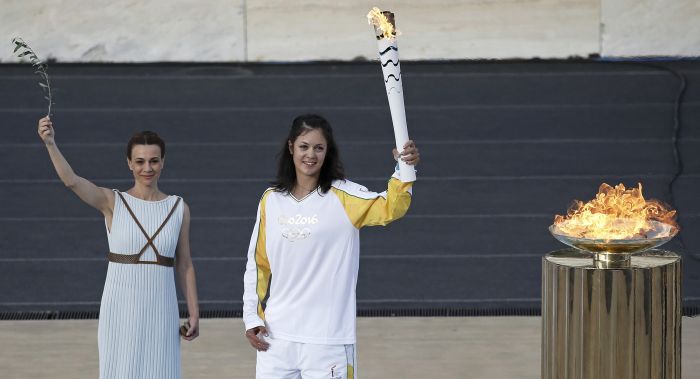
[[618, 213], [377, 18]]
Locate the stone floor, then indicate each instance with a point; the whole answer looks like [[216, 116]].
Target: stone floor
[[407, 348]]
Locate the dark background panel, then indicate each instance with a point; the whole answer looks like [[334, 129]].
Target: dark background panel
[[372, 159], [51, 283], [506, 145], [269, 125], [402, 282], [434, 195], [352, 88], [414, 235]]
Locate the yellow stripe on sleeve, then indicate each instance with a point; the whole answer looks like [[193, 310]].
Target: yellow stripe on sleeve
[[262, 263], [366, 208]]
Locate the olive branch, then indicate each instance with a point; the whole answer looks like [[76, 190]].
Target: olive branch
[[23, 50]]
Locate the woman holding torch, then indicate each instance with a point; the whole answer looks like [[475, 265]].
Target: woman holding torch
[[148, 234], [300, 279]]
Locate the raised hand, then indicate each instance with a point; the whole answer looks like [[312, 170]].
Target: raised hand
[[45, 131], [410, 154]]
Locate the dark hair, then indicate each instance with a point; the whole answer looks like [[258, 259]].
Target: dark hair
[[145, 138], [332, 168]]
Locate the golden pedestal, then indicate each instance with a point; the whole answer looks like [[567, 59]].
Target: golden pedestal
[[609, 319]]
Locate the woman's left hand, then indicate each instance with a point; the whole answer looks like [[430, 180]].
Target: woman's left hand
[[410, 154], [191, 329]]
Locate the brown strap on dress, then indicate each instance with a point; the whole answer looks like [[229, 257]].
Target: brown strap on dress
[[136, 258]]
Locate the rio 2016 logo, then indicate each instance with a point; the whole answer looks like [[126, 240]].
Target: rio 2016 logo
[[292, 227], [298, 219]]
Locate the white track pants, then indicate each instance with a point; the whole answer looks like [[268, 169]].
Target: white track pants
[[294, 360]]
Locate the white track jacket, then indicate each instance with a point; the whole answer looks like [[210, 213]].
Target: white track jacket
[[303, 259]]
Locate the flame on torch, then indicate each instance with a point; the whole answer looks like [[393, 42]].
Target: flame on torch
[[383, 21], [618, 213]]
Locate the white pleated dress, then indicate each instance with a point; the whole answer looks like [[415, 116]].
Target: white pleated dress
[[138, 334]]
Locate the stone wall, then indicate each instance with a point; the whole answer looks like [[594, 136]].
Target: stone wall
[[651, 27], [303, 30], [126, 30]]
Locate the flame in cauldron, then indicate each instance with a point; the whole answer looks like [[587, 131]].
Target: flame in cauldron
[[618, 213]]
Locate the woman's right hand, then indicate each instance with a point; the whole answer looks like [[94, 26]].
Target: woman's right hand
[[46, 130], [254, 337]]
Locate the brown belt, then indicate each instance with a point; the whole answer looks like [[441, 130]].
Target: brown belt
[[135, 259]]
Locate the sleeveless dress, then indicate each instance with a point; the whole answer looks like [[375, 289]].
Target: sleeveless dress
[[138, 334]]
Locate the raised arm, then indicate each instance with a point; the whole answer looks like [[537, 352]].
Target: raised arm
[[366, 208], [97, 197], [185, 272]]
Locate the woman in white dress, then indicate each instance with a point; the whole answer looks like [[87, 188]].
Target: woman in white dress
[[148, 234]]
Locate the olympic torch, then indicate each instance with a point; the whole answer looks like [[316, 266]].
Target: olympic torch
[[385, 31]]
